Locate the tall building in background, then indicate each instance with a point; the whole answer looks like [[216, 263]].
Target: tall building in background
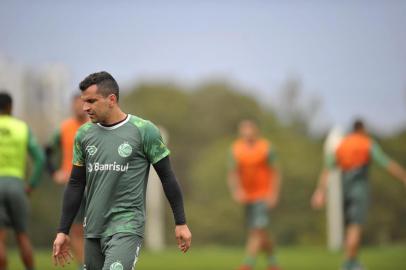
[[12, 80], [40, 96]]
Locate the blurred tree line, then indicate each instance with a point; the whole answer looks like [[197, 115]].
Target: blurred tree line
[[202, 125]]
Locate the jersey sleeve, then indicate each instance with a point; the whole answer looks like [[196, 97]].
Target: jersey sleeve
[[56, 140], [53, 147], [378, 155], [272, 156], [153, 144], [231, 162], [78, 151], [38, 157], [330, 161]]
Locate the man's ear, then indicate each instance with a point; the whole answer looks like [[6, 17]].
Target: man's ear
[[112, 100]]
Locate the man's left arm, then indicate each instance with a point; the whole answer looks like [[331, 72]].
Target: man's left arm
[[38, 157], [275, 179], [394, 168], [174, 195], [158, 155]]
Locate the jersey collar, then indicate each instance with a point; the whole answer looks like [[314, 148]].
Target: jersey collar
[[116, 126]]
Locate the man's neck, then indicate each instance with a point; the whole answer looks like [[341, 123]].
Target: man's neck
[[116, 116], [251, 141]]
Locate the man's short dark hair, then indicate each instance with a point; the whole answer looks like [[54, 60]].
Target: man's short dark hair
[[358, 125], [106, 84], [5, 101]]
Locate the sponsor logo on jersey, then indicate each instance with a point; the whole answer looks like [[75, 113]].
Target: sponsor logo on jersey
[[116, 266], [125, 150], [96, 167], [91, 150], [89, 167]]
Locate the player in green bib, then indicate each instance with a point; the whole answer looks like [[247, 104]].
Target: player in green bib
[[16, 141], [112, 157]]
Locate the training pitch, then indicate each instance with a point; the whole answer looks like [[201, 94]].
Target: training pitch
[[220, 258]]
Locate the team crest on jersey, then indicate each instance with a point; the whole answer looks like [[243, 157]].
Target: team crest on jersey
[[116, 266], [125, 150], [91, 150]]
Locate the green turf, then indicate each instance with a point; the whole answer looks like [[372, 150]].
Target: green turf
[[219, 258]]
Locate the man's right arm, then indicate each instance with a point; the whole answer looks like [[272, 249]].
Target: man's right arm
[[319, 195], [233, 179], [50, 150], [71, 203], [72, 197]]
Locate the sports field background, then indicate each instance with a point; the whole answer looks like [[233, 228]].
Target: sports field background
[[296, 67], [220, 258]]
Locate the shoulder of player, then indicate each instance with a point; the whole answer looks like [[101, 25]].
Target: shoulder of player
[[236, 144], [265, 143], [357, 139], [18, 123], [67, 121], [144, 126], [85, 128], [13, 120]]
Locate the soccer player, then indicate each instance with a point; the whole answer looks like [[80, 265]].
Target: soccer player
[[63, 142], [16, 140], [254, 181], [353, 157], [112, 157]]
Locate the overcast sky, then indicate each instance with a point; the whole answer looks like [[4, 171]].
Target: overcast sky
[[350, 53]]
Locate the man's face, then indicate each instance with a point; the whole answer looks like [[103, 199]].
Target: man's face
[[77, 108], [248, 130], [96, 105]]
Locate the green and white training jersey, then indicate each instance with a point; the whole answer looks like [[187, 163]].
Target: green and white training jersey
[[117, 161]]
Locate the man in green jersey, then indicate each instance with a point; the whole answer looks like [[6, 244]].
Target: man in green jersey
[[112, 157], [16, 140]]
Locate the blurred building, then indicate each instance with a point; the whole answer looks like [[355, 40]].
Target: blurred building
[[41, 97]]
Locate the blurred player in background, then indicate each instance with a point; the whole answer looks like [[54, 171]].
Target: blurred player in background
[[254, 181], [62, 142], [353, 157], [16, 140]]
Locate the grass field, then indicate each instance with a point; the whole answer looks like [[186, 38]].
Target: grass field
[[219, 258]]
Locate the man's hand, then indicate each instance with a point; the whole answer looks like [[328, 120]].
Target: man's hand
[[61, 177], [318, 199], [239, 196], [61, 251], [28, 190], [272, 201], [183, 237]]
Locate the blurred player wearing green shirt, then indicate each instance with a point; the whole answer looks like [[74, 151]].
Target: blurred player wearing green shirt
[[353, 157], [16, 140]]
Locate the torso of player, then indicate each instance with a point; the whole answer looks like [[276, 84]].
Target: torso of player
[[354, 152], [254, 170], [13, 147], [116, 174], [68, 130]]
